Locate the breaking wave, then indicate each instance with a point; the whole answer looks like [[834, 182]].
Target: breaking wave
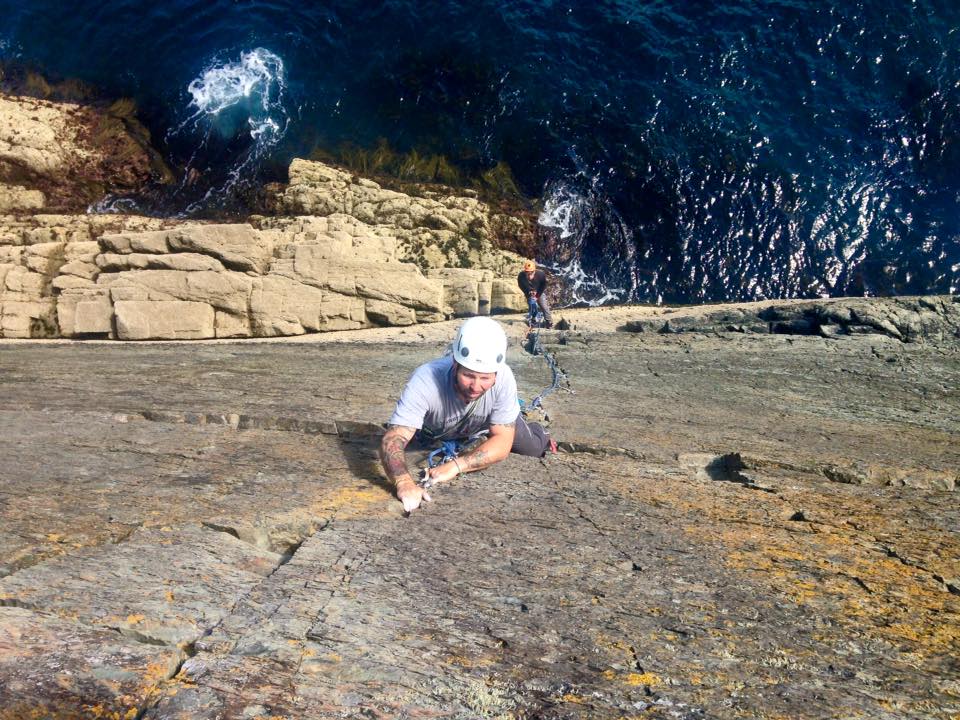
[[585, 239], [237, 117]]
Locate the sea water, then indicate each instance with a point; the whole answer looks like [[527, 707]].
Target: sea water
[[680, 152]]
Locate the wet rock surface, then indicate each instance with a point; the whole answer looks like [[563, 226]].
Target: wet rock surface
[[744, 525]]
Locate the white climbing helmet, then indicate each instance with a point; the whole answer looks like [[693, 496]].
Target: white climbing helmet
[[480, 345]]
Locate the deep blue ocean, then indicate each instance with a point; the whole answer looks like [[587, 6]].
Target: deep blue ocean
[[681, 152]]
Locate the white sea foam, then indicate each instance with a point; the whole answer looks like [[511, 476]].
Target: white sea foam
[[257, 79], [560, 211], [232, 97], [574, 213], [115, 205]]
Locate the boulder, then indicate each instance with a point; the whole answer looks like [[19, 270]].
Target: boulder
[[505, 296], [72, 282], [466, 292], [93, 317], [163, 320], [185, 261], [226, 290], [238, 246], [78, 268], [44, 258], [228, 325], [396, 282], [281, 306], [27, 319], [142, 242], [70, 296], [382, 312]]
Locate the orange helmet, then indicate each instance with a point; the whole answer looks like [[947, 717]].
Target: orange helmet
[[529, 265]]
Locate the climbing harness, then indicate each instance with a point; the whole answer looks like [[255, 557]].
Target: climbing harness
[[447, 450]]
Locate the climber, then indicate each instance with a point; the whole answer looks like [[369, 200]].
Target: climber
[[469, 395], [533, 283]]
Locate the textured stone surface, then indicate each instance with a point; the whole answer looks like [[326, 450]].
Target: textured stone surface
[[42, 674], [65, 155], [365, 247], [288, 276], [435, 228], [202, 531], [17, 197], [164, 319], [909, 319]]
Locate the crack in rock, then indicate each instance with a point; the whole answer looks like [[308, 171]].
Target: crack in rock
[[347, 430], [939, 579]]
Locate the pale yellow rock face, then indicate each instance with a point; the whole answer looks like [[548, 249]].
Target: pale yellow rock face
[[280, 306], [17, 197], [469, 291], [281, 276], [37, 136], [231, 326], [25, 319], [239, 247], [173, 319], [435, 230], [316, 289], [93, 316], [345, 254]]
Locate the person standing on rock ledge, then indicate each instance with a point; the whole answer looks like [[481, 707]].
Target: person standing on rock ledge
[[469, 395], [533, 283]]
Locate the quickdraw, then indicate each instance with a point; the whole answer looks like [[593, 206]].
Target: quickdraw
[[448, 450]]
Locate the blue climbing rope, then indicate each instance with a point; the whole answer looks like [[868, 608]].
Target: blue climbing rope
[[536, 348]]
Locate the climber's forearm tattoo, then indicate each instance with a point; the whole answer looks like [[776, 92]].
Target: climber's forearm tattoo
[[476, 460], [487, 453], [392, 451]]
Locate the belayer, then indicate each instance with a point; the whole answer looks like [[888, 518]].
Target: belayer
[[533, 283], [470, 394]]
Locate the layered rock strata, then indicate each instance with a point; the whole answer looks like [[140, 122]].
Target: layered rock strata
[[436, 228], [286, 276], [343, 253], [910, 319], [44, 257]]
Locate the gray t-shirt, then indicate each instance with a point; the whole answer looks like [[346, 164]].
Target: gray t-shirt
[[430, 403]]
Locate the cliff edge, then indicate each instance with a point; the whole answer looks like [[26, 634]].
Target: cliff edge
[[341, 252]]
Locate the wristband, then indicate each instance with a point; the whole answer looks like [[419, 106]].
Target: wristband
[[459, 471]]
